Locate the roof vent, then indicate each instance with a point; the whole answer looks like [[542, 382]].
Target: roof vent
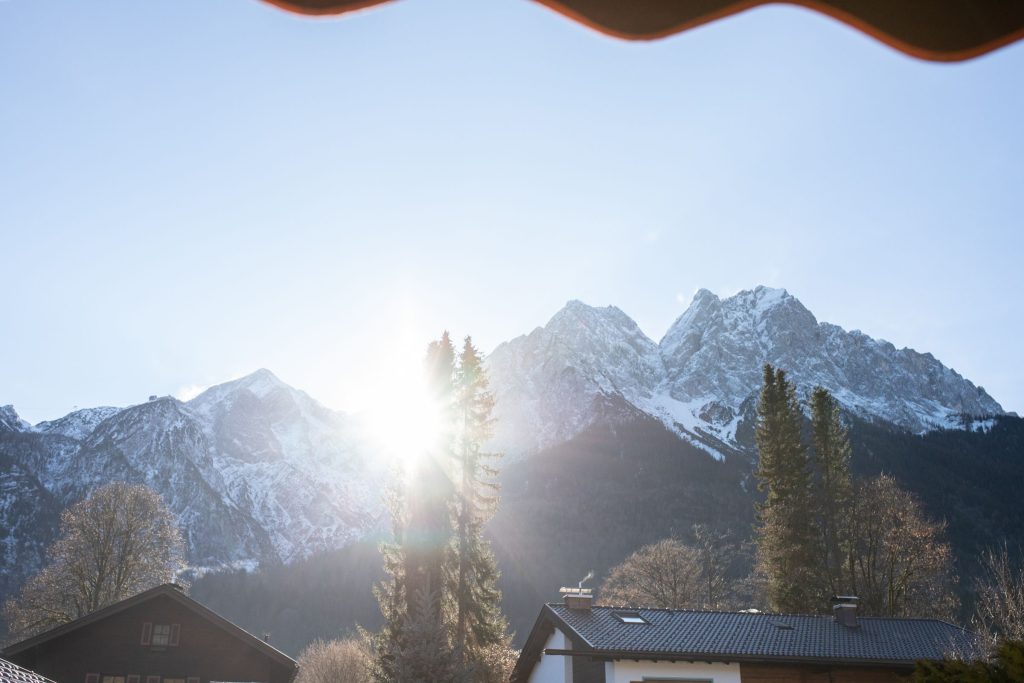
[[844, 607]]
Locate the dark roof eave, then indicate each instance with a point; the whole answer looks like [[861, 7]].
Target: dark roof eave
[[727, 658]]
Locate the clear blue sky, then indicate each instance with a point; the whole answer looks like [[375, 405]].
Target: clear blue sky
[[190, 190]]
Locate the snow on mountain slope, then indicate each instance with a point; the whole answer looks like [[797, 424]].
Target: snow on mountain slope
[[715, 351], [253, 469], [10, 421], [296, 466], [28, 519], [707, 367], [546, 383], [78, 424]]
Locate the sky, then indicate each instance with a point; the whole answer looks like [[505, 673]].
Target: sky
[[191, 190]]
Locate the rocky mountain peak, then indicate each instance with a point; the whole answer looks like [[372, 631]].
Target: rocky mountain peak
[[708, 365], [10, 421]]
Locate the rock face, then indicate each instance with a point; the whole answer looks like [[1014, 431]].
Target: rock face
[[10, 421], [254, 470], [701, 378]]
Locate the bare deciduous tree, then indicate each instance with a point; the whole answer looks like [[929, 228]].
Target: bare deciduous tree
[[336, 661], [666, 574], [119, 541], [999, 610], [899, 564]]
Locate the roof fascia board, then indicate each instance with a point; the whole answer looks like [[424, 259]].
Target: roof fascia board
[[714, 657]]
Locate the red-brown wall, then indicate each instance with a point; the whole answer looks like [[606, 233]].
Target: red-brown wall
[[770, 673]]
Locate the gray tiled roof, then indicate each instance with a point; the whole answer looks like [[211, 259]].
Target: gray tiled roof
[[12, 673], [764, 636]]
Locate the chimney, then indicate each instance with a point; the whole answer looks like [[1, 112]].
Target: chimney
[[266, 637], [580, 601], [844, 607], [579, 598]]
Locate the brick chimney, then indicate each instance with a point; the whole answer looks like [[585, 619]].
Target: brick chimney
[[579, 598], [844, 607], [580, 601]]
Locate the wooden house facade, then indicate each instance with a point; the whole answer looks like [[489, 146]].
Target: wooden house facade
[[159, 636]]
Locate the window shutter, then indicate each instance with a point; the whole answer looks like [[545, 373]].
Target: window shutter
[[92, 678], [147, 633], [133, 678], [175, 633]]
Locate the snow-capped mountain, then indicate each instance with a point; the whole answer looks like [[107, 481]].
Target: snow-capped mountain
[[258, 471], [701, 378], [254, 469], [10, 421], [78, 424], [297, 467]]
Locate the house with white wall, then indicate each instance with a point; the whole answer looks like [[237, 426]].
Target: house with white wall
[[578, 642]]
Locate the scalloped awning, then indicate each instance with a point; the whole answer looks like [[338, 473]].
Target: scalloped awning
[[937, 30]]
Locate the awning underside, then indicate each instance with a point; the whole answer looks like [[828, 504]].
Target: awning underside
[[939, 30]]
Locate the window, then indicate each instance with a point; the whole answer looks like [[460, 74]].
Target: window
[[630, 618], [161, 635], [174, 680], [112, 679]]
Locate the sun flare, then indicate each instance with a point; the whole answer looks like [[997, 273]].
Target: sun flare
[[406, 423]]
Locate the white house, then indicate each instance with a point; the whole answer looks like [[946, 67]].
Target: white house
[[577, 642]]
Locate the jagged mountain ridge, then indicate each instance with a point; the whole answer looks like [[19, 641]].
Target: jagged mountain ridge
[[254, 470], [701, 379], [258, 471]]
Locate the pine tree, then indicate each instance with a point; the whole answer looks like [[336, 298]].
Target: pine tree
[[429, 530], [833, 493], [425, 654], [388, 644], [415, 643], [786, 538], [441, 603], [479, 623]]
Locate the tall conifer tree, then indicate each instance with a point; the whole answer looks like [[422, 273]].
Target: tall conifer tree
[[429, 530], [786, 539], [832, 461], [479, 623], [415, 643], [441, 603]]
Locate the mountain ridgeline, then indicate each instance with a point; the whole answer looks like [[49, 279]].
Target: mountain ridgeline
[[702, 378], [612, 441]]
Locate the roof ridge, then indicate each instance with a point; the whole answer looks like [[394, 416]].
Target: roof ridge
[[697, 610], [703, 611]]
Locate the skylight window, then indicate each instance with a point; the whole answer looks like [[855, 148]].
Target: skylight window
[[630, 618]]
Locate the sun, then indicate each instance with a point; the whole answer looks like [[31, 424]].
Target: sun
[[404, 423]]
